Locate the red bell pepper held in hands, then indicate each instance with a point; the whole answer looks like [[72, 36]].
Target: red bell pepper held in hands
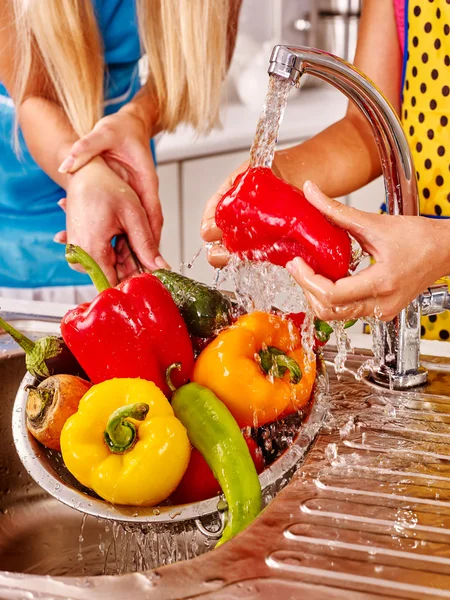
[[264, 218], [133, 330]]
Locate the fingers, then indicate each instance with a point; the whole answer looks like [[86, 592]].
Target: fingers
[[103, 255], [209, 230], [146, 185], [217, 256], [368, 293], [142, 240], [355, 221], [125, 263], [354, 310], [61, 237], [85, 149], [368, 283]]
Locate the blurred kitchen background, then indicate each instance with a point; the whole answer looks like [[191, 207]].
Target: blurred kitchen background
[[191, 169]]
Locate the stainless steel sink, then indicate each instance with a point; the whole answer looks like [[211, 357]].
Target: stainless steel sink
[[366, 516]]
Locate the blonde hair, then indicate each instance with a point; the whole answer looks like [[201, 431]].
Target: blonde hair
[[185, 42]]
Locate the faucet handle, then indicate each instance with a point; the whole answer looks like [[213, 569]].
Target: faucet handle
[[436, 299]]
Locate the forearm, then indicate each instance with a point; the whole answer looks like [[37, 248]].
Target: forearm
[[144, 106], [344, 157], [339, 160], [48, 135]]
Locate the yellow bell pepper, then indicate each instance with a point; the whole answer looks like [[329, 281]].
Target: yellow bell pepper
[[125, 443], [258, 369]]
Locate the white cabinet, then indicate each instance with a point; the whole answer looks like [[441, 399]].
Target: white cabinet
[[200, 178], [169, 186]]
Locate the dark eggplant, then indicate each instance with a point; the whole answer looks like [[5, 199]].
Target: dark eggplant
[[46, 356]]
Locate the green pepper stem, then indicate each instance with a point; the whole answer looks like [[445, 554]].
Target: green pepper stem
[[25, 343], [350, 323], [324, 329], [77, 256], [120, 434], [170, 368], [275, 362]]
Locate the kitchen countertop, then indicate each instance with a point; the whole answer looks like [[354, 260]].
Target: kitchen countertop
[[308, 111]]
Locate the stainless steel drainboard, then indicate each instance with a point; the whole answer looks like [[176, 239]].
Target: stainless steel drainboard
[[367, 516]]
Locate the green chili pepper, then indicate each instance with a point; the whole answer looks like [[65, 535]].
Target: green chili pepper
[[214, 432]]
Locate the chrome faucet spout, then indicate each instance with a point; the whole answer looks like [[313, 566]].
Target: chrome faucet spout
[[400, 367]]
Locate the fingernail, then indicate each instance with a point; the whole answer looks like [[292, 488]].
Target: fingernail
[[66, 164], [58, 239], [161, 263], [290, 266], [311, 188]]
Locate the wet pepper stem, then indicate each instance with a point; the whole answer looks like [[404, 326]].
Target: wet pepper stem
[[25, 343], [120, 434], [276, 362], [173, 367], [77, 256]]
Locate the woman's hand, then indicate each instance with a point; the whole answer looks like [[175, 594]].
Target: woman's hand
[[100, 206], [217, 255], [410, 254], [123, 141]]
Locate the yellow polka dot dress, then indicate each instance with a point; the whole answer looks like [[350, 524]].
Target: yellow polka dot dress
[[426, 114]]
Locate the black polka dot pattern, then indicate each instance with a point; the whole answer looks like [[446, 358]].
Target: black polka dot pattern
[[425, 115]]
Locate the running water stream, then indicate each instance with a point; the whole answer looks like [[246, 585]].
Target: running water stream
[[263, 147]]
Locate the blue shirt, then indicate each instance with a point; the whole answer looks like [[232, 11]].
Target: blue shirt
[[29, 213]]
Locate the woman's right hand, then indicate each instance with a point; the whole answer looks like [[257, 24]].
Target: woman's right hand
[[100, 206], [217, 255]]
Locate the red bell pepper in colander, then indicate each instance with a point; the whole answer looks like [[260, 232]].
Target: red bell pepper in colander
[[133, 330], [264, 218]]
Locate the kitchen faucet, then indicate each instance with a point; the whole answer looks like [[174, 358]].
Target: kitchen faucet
[[399, 361]]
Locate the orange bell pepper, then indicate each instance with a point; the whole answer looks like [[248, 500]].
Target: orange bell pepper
[[258, 369]]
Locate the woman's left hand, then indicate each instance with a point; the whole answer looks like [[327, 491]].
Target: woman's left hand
[[123, 141], [410, 254]]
